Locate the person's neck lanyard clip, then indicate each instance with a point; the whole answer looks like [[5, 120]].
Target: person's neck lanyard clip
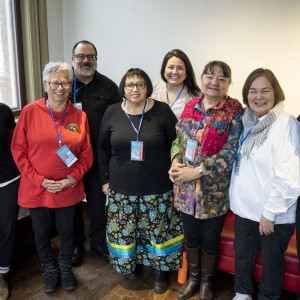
[[239, 152], [191, 145], [177, 97], [137, 147], [64, 153], [58, 132], [78, 105]]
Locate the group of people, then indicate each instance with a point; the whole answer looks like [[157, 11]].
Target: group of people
[[159, 165]]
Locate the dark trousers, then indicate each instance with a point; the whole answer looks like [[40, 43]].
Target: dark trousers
[[298, 231], [247, 244], [203, 234], [8, 221], [96, 203], [42, 218]]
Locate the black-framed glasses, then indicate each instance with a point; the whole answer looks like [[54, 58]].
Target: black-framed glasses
[[90, 57], [56, 84], [139, 85]]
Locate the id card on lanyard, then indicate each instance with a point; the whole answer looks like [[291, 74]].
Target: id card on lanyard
[[137, 147], [78, 105], [191, 144], [64, 153], [239, 153]]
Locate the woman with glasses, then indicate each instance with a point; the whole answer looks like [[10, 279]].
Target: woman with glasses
[[51, 148], [203, 154], [134, 157], [178, 84]]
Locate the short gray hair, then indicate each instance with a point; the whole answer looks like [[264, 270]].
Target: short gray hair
[[51, 68]]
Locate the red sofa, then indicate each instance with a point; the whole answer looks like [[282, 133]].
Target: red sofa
[[291, 277]]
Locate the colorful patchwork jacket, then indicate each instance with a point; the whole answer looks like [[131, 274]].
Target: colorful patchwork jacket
[[216, 133]]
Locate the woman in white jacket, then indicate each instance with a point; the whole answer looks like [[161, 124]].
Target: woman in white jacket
[[264, 186]]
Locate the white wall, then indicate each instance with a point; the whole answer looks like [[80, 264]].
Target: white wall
[[138, 33]]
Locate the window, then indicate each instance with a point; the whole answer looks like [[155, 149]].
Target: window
[[11, 59]]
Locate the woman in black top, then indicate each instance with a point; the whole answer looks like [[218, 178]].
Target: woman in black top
[[134, 157], [9, 183]]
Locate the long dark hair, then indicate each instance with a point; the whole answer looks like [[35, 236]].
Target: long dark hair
[[190, 81]]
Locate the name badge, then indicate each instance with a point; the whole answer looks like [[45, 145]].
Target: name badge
[[66, 155], [190, 150], [78, 105], [137, 151]]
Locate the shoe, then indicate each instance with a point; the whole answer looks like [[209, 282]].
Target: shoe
[[131, 276], [51, 277], [101, 251], [135, 273], [67, 277], [192, 286], [208, 266], [239, 296], [3, 288], [77, 256], [160, 282]]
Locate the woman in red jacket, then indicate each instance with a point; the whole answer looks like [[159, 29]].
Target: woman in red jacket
[[51, 148]]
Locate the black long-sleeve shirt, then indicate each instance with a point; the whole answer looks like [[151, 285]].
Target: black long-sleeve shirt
[[146, 177]]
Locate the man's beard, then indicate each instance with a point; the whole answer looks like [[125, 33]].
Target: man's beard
[[85, 72]]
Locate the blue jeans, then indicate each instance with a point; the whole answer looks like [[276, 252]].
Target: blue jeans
[[247, 244], [203, 234]]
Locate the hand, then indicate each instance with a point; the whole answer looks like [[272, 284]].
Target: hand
[[266, 226], [51, 186], [105, 188], [181, 173], [64, 183]]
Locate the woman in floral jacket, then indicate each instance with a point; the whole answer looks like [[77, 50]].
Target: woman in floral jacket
[[203, 153]]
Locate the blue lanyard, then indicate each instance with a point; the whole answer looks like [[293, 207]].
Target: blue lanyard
[[243, 139], [74, 88], [177, 97], [141, 121], [201, 121], [59, 133]]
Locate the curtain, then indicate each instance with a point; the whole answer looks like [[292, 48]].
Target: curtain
[[35, 45]]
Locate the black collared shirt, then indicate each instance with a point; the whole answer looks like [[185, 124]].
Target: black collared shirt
[[95, 97]]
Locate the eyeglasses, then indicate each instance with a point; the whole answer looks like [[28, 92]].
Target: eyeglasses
[[64, 85], [139, 86], [90, 57]]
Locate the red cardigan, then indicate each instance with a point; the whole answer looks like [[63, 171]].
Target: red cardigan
[[34, 147]]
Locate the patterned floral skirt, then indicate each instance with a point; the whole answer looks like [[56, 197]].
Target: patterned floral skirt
[[144, 230]]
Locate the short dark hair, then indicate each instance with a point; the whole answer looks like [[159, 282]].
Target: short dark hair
[[220, 64], [140, 74], [190, 81], [269, 75], [84, 42]]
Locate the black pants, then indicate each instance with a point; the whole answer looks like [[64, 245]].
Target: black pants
[[298, 231], [203, 234], [247, 244], [96, 204], [42, 218], [8, 221]]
